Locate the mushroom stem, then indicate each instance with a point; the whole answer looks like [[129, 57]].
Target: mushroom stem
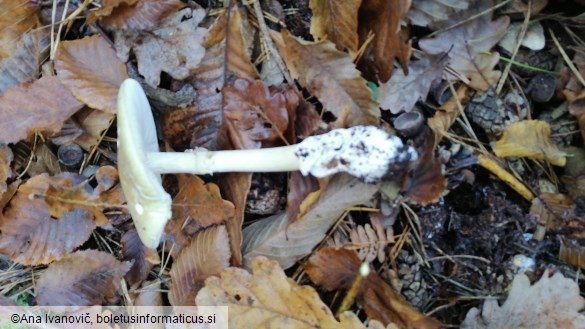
[[202, 162]]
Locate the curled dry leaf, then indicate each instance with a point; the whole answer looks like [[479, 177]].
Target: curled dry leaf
[[336, 21], [91, 71], [22, 65], [382, 18], [31, 236], [253, 114], [207, 254], [133, 14], [531, 139], [335, 269], [469, 47], [33, 107], [67, 195], [16, 19], [287, 241], [196, 206], [266, 298], [83, 278], [552, 302], [332, 77], [174, 47], [435, 13], [446, 115], [5, 172], [142, 258], [421, 74]]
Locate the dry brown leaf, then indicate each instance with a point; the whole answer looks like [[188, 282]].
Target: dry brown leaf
[[33, 107], [549, 209], [91, 71], [5, 172], [175, 47], [531, 139], [552, 302], [16, 17], [382, 18], [31, 236], [92, 124], [421, 74], [266, 298], [143, 258], [336, 21], [469, 46], [207, 255], [335, 269], [196, 206], [66, 195], [22, 65], [287, 242], [332, 77], [253, 115], [435, 13], [239, 46], [135, 15], [446, 115], [83, 278]]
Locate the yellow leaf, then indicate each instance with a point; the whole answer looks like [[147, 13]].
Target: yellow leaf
[[531, 139]]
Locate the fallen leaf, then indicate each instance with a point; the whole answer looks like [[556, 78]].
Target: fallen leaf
[[6, 158], [92, 125], [207, 254], [33, 107], [577, 108], [31, 236], [83, 278], [143, 258], [382, 17], [179, 32], [335, 269], [239, 45], [91, 71], [435, 13], [421, 74], [337, 22], [201, 205], [135, 15], [446, 115], [332, 77], [17, 18], [66, 195], [266, 298], [531, 139], [548, 209], [469, 47], [552, 302], [23, 63], [253, 115], [286, 241]]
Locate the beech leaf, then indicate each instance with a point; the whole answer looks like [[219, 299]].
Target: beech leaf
[[34, 107], [91, 71], [133, 14], [17, 18], [22, 65], [336, 21]]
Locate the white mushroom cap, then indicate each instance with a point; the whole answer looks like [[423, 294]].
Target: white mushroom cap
[[148, 203]]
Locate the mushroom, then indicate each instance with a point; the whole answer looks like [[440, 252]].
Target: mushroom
[[366, 152]]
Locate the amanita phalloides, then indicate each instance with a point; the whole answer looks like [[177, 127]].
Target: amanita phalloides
[[366, 152]]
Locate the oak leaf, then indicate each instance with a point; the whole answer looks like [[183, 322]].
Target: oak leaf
[[336, 21], [207, 254], [41, 106], [382, 18], [338, 269], [332, 77], [84, 278], [133, 14], [421, 74], [552, 302], [31, 236], [435, 13], [175, 47], [266, 298], [469, 46], [91, 71], [531, 139]]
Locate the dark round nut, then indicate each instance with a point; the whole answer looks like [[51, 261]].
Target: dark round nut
[[409, 124], [542, 87], [70, 155]]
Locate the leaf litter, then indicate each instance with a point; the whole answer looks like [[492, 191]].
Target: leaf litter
[[453, 227]]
